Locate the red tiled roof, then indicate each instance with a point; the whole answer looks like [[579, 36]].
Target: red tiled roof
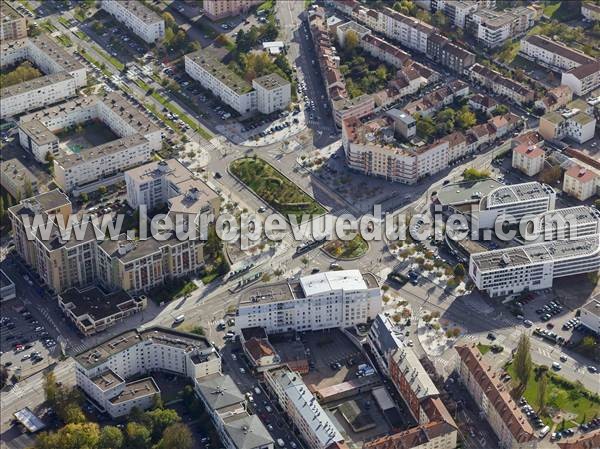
[[411, 438], [531, 151], [582, 174], [259, 348]]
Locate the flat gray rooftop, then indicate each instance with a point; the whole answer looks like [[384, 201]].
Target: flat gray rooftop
[[96, 303], [517, 193], [466, 192]]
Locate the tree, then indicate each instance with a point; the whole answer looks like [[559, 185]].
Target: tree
[[522, 360], [439, 19], [169, 20], [3, 376], [27, 188], [84, 197], [71, 436], [425, 127], [466, 118], [110, 438], [138, 436], [102, 190], [351, 41], [459, 270], [160, 419], [541, 392], [176, 436], [50, 387], [551, 175]]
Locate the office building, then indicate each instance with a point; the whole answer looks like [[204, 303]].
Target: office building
[[533, 266], [17, 179], [62, 75], [101, 371], [273, 92], [552, 54], [8, 290], [320, 301], [529, 159], [141, 20], [581, 181], [298, 403], [590, 315], [92, 310], [219, 9], [582, 79], [135, 138], [564, 224], [505, 417], [514, 202], [12, 24]]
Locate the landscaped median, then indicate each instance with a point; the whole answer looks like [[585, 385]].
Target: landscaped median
[[347, 249], [275, 188]]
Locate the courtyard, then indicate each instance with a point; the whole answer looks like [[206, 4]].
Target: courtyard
[[85, 135]]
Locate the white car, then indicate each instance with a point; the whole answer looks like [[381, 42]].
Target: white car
[[242, 370]]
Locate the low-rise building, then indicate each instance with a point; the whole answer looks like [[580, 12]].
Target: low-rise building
[[505, 417], [92, 310], [136, 16], [8, 290], [12, 24], [552, 54], [62, 75], [101, 371], [266, 93], [570, 123], [582, 79], [500, 84], [137, 138], [591, 11], [320, 301], [590, 315], [533, 266], [219, 9], [529, 159], [555, 98], [433, 435], [581, 182], [484, 103], [18, 181], [303, 409]]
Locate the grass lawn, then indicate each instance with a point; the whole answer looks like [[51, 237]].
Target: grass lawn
[[65, 22], [64, 40], [484, 349], [81, 35], [182, 115], [560, 395], [347, 249], [274, 188], [114, 61], [561, 11], [92, 61]]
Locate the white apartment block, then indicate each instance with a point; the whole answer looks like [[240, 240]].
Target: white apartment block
[[157, 183], [552, 54], [529, 159], [590, 10], [535, 266], [590, 315], [516, 201], [583, 79], [137, 138], [12, 24], [219, 9], [320, 301], [140, 19], [410, 32], [267, 93], [305, 412], [63, 75], [581, 182], [101, 371], [505, 417], [572, 123], [17, 179], [492, 28]]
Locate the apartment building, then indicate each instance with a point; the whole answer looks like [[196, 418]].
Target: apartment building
[[101, 371], [552, 54], [581, 181], [226, 407], [534, 266], [443, 51], [17, 179], [137, 138], [492, 27], [219, 9], [320, 301], [8, 290], [433, 435], [590, 10], [157, 183], [266, 93], [483, 383], [63, 75], [141, 20], [12, 24], [457, 11], [516, 201], [590, 315], [555, 98], [583, 79], [303, 409], [484, 103], [500, 84], [529, 159], [409, 31], [572, 123], [93, 310]]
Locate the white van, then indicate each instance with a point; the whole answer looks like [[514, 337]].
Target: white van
[[179, 319], [544, 431], [280, 442]]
